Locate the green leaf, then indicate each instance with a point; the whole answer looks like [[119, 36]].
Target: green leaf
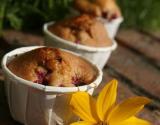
[[15, 21], [2, 14]]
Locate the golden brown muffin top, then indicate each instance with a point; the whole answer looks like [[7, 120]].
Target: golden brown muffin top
[[83, 29], [51, 66]]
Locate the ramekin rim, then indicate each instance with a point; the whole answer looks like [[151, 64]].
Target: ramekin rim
[[54, 89]]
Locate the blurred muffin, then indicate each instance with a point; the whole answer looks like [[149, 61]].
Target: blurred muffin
[[54, 67], [102, 8], [83, 29]]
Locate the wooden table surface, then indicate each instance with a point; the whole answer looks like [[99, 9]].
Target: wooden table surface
[[135, 64]]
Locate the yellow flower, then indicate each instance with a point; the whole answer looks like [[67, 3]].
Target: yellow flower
[[104, 111]]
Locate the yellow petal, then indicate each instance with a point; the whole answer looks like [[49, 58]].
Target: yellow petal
[[127, 109], [82, 123], [106, 99], [134, 121], [84, 106]]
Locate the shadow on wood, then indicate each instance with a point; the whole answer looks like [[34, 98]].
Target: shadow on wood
[[5, 117]]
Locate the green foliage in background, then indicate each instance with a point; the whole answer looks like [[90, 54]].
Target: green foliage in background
[[31, 14], [144, 14]]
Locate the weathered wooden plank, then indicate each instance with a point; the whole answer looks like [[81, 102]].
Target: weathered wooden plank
[[141, 43], [154, 34], [139, 72], [152, 116], [18, 38]]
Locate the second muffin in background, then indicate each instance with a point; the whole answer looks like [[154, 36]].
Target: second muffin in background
[[83, 29]]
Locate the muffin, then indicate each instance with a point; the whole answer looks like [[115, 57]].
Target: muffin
[[53, 67], [107, 9], [83, 29]]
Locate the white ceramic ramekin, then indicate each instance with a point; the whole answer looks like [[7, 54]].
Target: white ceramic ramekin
[[97, 55], [112, 26], [35, 104]]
